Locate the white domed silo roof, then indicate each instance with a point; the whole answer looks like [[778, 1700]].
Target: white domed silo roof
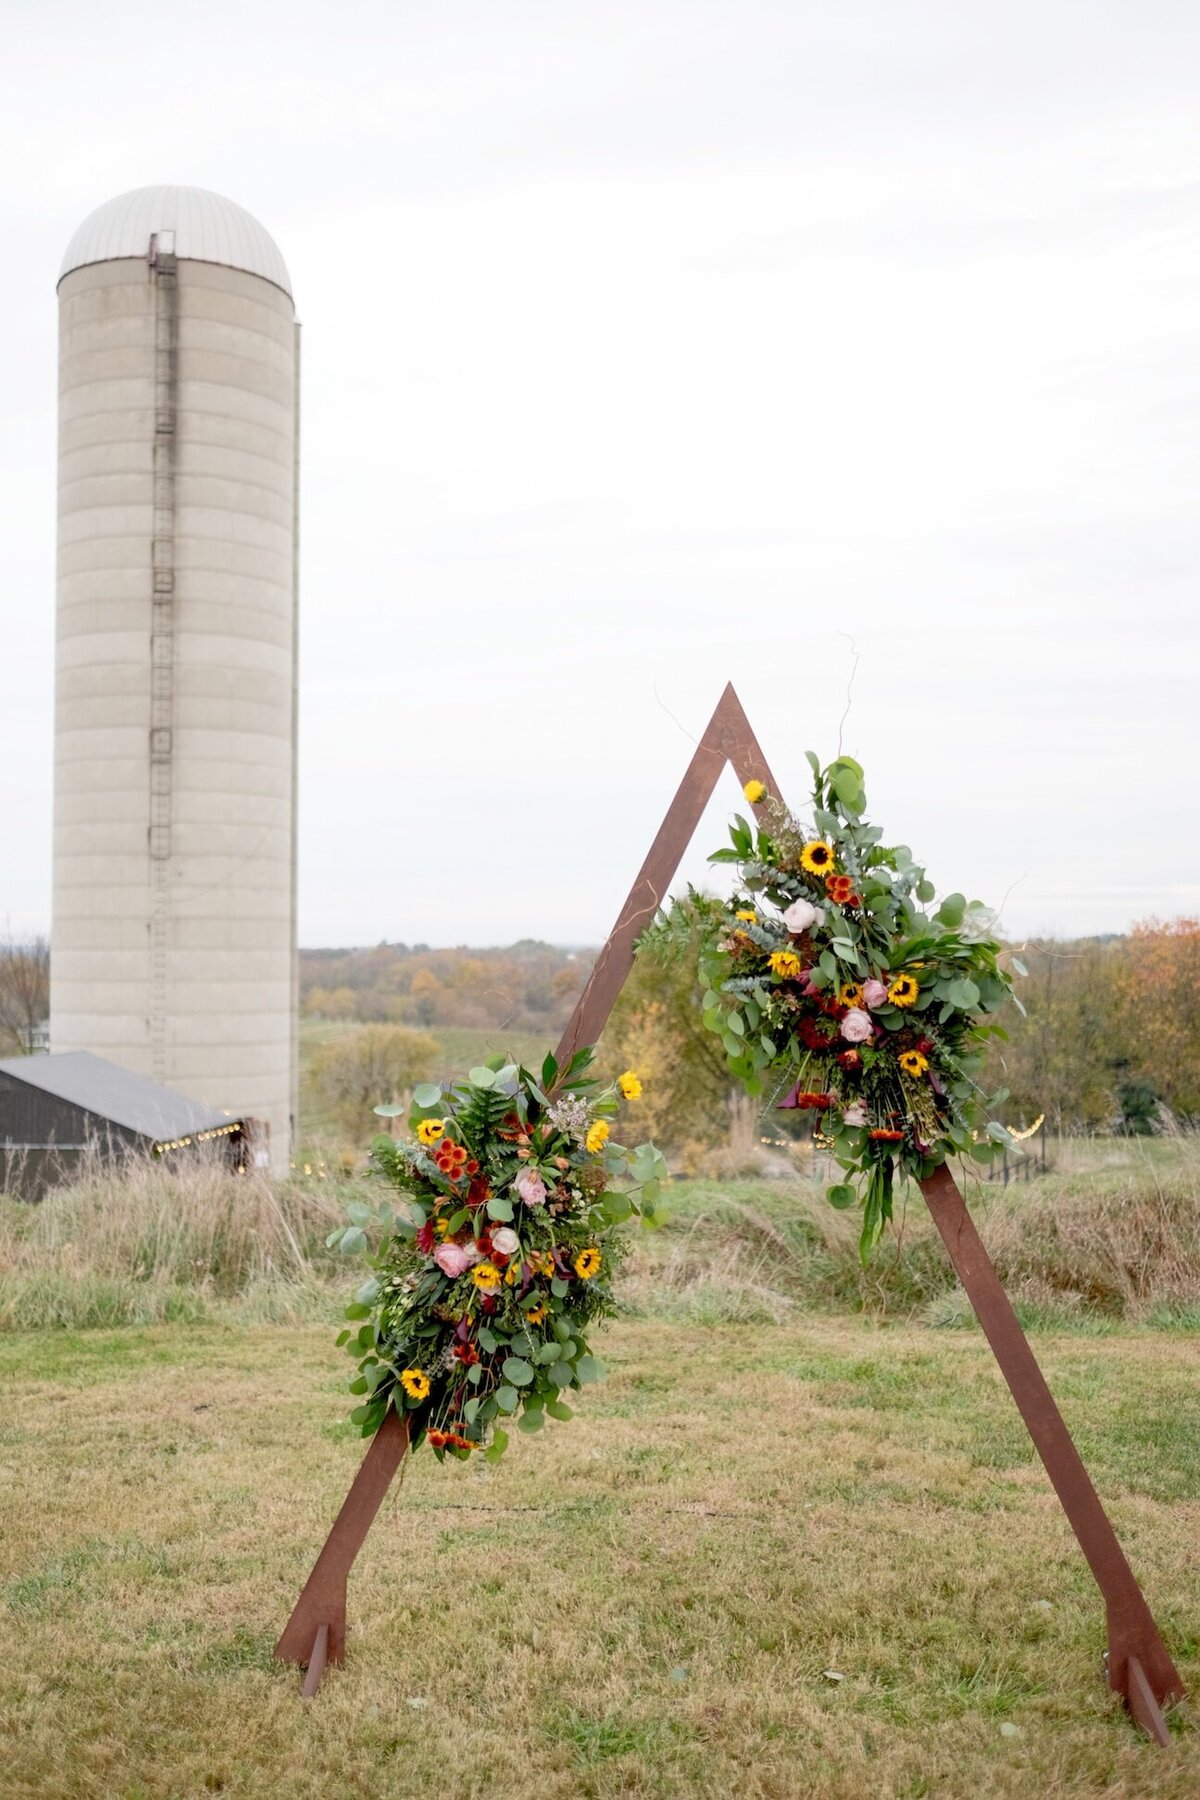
[[207, 227]]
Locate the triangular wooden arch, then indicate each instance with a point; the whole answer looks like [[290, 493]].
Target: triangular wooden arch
[[1139, 1666]]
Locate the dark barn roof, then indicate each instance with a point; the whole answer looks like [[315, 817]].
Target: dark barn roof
[[114, 1095]]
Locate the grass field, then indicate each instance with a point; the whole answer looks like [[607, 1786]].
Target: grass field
[[802, 1559]]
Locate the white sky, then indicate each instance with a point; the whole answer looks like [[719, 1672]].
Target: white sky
[[649, 345]]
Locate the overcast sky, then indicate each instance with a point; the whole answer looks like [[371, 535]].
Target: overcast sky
[[650, 344]]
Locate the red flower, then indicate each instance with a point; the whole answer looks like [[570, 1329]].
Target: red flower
[[883, 1136], [924, 1045], [850, 1059], [806, 1102], [811, 1035], [439, 1439], [426, 1238], [467, 1354], [839, 888]]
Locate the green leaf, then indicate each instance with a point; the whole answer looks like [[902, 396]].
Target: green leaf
[[925, 891], [507, 1399], [549, 1072], [352, 1242], [389, 1112], [426, 1094], [951, 911], [482, 1077], [530, 1421], [561, 1374], [497, 1447], [517, 1370], [357, 1213], [963, 994], [558, 1409], [499, 1208], [841, 1196], [558, 1287], [589, 1368], [487, 1340], [1018, 965]]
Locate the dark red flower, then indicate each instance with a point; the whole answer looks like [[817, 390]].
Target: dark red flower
[[426, 1238], [850, 1059]]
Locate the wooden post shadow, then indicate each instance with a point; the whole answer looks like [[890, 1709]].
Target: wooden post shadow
[[1139, 1666]]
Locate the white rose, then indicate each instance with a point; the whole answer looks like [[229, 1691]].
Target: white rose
[[506, 1241], [802, 915], [855, 1114]]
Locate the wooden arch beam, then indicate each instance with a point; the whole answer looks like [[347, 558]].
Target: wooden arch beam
[[1138, 1664]]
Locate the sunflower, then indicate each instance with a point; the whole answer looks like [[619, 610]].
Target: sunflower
[[817, 857], [746, 914], [630, 1085], [851, 994], [415, 1383], [587, 1264], [754, 792], [903, 991], [486, 1276], [536, 1314], [913, 1063], [786, 964], [429, 1130], [512, 1275], [597, 1136]]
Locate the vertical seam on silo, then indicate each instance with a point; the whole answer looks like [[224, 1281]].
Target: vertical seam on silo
[[162, 643]]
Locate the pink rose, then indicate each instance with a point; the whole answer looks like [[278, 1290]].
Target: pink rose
[[531, 1187], [855, 1114], [874, 992], [506, 1241], [455, 1259], [801, 915], [856, 1027]]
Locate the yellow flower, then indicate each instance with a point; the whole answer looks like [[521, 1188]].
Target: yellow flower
[[851, 994], [786, 964], [747, 915], [415, 1383], [913, 1063], [486, 1275], [630, 1086], [754, 792], [597, 1136], [903, 991], [441, 1226], [587, 1264], [817, 857], [512, 1274], [543, 1262], [536, 1314], [430, 1130]]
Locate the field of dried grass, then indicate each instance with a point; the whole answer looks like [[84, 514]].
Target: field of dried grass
[[795, 1560], [798, 1544]]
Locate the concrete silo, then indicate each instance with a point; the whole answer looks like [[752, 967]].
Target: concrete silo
[[174, 927]]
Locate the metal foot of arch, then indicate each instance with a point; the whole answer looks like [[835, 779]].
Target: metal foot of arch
[[1138, 1664]]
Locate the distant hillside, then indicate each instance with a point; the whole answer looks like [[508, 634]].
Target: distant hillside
[[528, 986]]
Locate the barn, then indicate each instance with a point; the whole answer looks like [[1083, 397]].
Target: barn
[[58, 1110]]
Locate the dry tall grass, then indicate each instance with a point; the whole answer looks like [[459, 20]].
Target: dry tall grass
[[135, 1241]]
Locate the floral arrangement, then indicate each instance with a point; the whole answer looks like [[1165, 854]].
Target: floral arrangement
[[826, 976], [491, 1269]]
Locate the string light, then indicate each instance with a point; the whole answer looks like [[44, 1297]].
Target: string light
[[199, 1137]]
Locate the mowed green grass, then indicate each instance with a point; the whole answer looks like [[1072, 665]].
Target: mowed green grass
[[805, 1559]]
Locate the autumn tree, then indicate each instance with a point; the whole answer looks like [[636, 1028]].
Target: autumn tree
[[24, 992], [1159, 996], [377, 1066]]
